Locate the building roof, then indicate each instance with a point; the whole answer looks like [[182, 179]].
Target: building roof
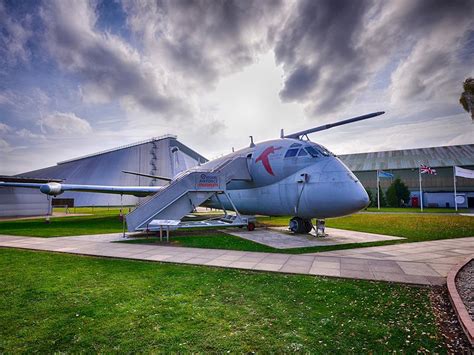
[[461, 155], [7, 178], [166, 136]]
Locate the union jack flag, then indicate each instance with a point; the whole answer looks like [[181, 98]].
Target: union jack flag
[[424, 169]]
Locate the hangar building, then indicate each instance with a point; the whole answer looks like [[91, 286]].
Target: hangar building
[[163, 156], [23, 202], [438, 190]]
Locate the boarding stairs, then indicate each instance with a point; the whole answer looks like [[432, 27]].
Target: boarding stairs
[[187, 191]]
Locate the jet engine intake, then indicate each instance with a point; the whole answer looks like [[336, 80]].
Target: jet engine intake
[[51, 188]]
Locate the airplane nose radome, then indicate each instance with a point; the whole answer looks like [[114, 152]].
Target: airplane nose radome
[[360, 198]]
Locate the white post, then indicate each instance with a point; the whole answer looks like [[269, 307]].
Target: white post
[[122, 216], [421, 191], [378, 191], [455, 192]]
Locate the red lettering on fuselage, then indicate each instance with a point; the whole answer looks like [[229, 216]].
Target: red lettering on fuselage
[[264, 158]]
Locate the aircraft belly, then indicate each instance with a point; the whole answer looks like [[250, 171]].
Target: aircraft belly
[[265, 200]]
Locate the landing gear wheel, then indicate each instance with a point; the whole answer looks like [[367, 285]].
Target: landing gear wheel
[[308, 226], [250, 226], [300, 226]]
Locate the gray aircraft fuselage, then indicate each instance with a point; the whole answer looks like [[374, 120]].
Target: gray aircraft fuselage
[[292, 177]]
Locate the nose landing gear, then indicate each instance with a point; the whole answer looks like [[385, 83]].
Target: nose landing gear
[[320, 228], [300, 226], [304, 226]]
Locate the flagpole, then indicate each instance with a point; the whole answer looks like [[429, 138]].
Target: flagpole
[[455, 192], [421, 192], [378, 191]]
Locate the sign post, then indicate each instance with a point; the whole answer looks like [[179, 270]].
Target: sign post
[[421, 191], [455, 192], [378, 191]]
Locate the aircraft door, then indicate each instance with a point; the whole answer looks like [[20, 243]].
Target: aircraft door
[[249, 163], [290, 191]]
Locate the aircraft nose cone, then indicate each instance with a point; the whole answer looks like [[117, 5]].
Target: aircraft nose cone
[[360, 198], [337, 192]]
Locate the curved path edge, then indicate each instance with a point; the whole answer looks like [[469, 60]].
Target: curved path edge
[[464, 318]]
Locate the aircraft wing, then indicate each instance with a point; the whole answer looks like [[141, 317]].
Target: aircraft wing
[[54, 188]]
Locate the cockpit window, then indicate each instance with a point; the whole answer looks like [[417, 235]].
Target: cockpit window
[[294, 145], [324, 150], [313, 152], [291, 152], [302, 153], [317, 150]]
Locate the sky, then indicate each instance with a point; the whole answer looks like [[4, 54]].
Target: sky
[[77, 77]]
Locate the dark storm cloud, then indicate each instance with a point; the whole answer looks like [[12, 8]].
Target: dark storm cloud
[[434, 69], [317, 47], [330, 50]]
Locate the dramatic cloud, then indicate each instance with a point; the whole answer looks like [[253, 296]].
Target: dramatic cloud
[[64, 123], [4, 128], [318, 48], [14, 34], [436, 66], [109, 67], [199, 41], [331, 50]]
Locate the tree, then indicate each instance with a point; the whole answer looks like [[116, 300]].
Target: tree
[[467, 97], [397, 193], [383, 201], [371, 197]]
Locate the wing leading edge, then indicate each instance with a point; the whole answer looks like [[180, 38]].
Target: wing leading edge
[[54, 188]]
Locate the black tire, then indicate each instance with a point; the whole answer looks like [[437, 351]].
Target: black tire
[[300, 226], [308, 226], [250, 226]]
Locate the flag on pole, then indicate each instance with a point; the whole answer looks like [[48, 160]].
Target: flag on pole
[[384, 174], [425, 169], [465, 173]]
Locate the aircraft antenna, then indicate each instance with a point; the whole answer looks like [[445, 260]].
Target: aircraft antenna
[[282, 133], [252, 144]]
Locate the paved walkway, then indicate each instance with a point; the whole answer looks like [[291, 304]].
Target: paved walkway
[[282, 238], [425, 263]]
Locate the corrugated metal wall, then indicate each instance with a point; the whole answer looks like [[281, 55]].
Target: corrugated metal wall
[[155, 157], [22, 202], [443, 181], [461, 155]]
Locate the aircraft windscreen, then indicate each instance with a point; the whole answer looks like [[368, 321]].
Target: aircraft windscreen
[[313, 152], [316, 150], [291, 153]]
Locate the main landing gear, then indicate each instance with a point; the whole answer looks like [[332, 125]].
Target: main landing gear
[[300, 225]]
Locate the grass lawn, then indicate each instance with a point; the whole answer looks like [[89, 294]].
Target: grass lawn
[[65, 303], [415, 210], [206, 239], [64, 226], [94, 210], [414, 227]]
